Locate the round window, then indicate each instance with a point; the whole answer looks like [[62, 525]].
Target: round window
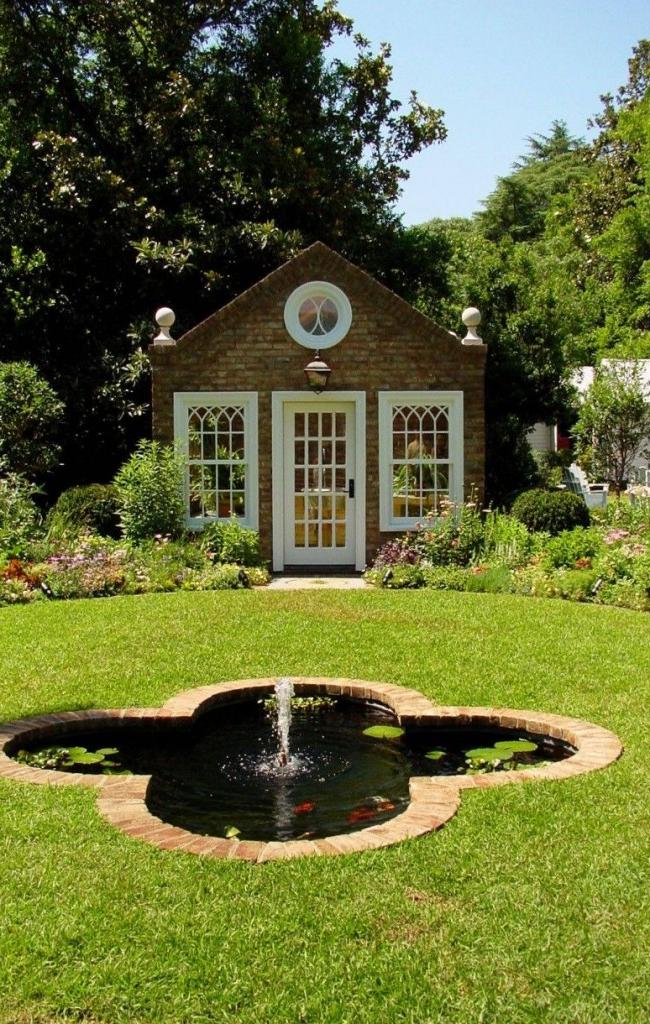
[[317, 315]]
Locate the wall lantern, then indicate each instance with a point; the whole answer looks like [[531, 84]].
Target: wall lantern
[[317, 373]]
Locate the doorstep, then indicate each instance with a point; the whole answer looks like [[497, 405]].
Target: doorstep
[[288, 582]]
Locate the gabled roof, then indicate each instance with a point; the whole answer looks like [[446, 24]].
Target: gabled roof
[[317, 258]]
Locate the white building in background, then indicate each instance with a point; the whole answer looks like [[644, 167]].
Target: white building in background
[[545, 437]]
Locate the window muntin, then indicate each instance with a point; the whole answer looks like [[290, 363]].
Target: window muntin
[[420, 455], [218, 436], [217, 461], [317, 314], [419, 468]]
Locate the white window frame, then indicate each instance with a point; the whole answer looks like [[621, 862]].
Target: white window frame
[[310, 290], [249, 402], [453, 400]]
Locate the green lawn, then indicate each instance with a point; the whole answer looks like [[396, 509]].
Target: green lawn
[[531, 905]]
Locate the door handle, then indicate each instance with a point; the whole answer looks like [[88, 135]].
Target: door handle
[[350, 488]]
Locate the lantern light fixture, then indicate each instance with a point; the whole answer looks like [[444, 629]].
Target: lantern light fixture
[[317, 373]]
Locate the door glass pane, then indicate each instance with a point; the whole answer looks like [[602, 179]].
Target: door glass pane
[[320, 480]]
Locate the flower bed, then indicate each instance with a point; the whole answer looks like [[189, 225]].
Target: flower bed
[[607, 562], [92, 566]]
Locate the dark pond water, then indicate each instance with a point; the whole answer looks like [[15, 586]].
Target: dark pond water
[[224, 773]]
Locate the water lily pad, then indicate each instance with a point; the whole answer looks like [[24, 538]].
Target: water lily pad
[[435, 755], [74, 752], [86, 757], [383, 732], [107, 751], [518, 746], [490, 754], [232, 832]]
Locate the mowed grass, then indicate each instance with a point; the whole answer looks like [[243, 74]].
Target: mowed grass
[[531, 905]]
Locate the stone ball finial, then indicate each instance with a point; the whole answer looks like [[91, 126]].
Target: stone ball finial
[[165, 318], [471, 318]]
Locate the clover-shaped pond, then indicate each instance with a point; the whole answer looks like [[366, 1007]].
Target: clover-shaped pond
[[349, 765]]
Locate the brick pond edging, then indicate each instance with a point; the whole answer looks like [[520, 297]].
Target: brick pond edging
[[434, 800]]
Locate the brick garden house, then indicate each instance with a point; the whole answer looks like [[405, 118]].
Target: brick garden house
[[326, 471]]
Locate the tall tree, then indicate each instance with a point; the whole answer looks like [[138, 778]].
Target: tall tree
[[518, 206], [604, 222], [176, 151]]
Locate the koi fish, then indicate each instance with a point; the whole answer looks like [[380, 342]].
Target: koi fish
[[304, 808], [362, 814]]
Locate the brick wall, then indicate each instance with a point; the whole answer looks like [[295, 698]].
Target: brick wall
[[390, 346]]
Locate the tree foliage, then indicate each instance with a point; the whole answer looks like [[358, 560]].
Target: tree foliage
[[613, 425], [174, 151], [558, 262], [30, 419]]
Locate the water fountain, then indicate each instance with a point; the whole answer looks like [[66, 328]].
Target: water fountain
[[283, 696], [248, 768]]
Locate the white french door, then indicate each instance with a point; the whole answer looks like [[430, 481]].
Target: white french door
[[319, 483]]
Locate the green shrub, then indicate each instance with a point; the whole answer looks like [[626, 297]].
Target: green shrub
[[150, 492], [495, 579], [397, 577], [576, 584], [160, 566], [17, 592], [20, 519], [551, 466], [214, 577], [444, 577], [550, 511], [89, 509], [570, 546], [30, 412], [454, 538], [624, 593], [505, 539], [231, 542], [623, 513]]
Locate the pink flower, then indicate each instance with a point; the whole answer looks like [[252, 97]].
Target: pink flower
[[615, 535]]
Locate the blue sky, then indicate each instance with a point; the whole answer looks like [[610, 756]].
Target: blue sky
[[501, 70]]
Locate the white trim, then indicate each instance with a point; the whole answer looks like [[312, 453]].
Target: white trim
[[278, 400], [249, 400], [386, 399], [308, 291]]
